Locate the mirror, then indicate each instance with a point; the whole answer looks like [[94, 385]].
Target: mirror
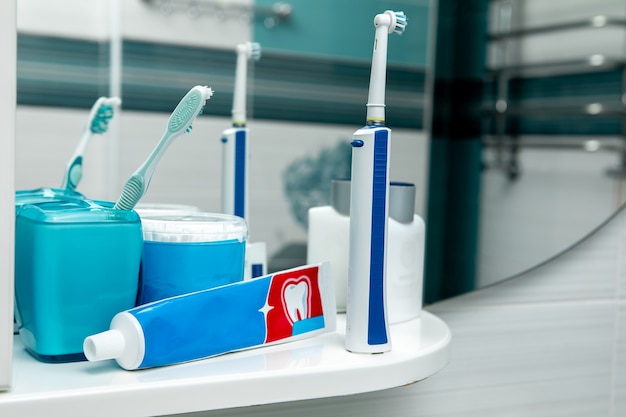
[[554, 155], [551, 146], [306, 97]]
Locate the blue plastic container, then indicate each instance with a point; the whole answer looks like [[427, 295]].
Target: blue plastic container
[[76, 266], [42, 195], [190, 251]]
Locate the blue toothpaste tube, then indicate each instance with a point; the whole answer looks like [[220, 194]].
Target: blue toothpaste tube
[[286, 306]]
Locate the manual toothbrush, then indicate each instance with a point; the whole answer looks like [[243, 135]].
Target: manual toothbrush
[[366, 315], [179, 123], [101, 113], [235, 139]]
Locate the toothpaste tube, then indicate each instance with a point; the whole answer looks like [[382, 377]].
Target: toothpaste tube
[[282, 307]]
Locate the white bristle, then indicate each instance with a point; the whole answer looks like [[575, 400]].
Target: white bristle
[[112, 101], [400, 22]]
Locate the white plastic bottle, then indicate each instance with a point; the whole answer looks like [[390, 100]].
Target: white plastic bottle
[[329, 238], [405, 255]]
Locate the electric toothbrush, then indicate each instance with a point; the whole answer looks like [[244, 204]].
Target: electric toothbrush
[[235, 158], [235, 139], [367, 329]]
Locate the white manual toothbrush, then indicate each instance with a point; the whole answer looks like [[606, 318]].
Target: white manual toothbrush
[[366, 316]]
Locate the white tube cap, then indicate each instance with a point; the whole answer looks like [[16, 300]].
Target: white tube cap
[[106, 345]]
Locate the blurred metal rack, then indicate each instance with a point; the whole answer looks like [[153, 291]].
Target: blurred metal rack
[[597, 22], [225, 10], [596, 62], [596, 144], [500, 111]]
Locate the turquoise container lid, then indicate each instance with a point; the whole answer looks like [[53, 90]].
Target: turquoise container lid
[[75, 210], [44, 194]]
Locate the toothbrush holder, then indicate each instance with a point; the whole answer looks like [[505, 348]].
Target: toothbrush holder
[[76, 266]]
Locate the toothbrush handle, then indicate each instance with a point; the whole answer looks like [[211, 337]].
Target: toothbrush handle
[[367, 328], [235, 172], [74, 168], [73, 174]]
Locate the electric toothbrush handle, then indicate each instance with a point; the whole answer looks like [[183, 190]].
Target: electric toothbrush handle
[[235, 172], [367, 328]]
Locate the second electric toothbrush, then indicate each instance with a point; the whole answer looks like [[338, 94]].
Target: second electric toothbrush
[[366, 316], [235, 158], [235, 139]]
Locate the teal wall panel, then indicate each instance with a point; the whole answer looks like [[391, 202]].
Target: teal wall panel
[[73, 73], [455, 150]]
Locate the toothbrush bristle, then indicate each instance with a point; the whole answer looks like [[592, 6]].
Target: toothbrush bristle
[[401, 22], [100, 122], [255, 51]]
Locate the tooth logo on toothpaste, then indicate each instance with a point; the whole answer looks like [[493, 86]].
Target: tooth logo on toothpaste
[[294, 304], [295, 299]]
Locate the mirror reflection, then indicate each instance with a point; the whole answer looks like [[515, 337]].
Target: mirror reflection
[[534, 161], [554, 153]]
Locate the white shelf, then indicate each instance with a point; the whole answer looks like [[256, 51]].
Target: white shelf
[[314, 368]]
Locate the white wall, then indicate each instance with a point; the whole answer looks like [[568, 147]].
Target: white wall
[[90, 20], [141, 22], [7, 193], [67, 18]]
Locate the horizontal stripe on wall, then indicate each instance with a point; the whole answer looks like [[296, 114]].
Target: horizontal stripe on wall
[[72, 73], [569, 104], [60, 72]]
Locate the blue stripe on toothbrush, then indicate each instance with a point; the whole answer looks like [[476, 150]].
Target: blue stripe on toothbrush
[[377, 330], [240, 173]]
